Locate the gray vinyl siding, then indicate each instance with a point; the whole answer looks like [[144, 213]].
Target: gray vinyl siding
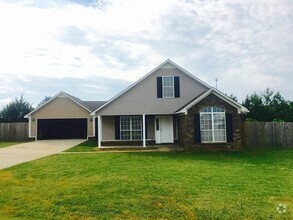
[[142, 98], [108, 129]]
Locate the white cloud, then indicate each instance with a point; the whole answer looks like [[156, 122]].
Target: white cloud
[[245, 44], [5, 101]]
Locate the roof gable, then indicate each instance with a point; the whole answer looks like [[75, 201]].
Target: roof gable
[[168, 64], [185, 108], [61, 94]]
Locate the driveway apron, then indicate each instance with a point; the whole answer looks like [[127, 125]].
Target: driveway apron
[[20, 153]]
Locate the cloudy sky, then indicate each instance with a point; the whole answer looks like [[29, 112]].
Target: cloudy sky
[[94, 49]]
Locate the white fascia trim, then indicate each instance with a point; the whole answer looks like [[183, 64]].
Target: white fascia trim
[[54, 97], [240, 108], [145, 76], [184, 110]]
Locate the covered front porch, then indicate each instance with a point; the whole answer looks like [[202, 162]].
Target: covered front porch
[[136, 130]]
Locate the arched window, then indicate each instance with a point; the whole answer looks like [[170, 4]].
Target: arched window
[[212, 125]]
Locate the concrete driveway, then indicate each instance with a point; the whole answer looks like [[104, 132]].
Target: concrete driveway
[[20, 153]]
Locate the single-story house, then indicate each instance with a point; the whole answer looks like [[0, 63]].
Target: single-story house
[[168, 105]]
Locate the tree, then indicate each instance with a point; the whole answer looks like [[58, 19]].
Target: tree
[[268, 106], [255, 106], [233, 97], [16, 110], [46, 99]]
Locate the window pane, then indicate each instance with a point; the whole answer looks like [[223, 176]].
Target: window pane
[[124, 123], [206, 136], [206, 121], [125, 135], [168, 81], [168, 86], [219, 121], [207, 109], [168, 92], [136, 123], [136, 135], [217, 109], [220, 136]]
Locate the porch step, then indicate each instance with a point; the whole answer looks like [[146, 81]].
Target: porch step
[[162, 148]]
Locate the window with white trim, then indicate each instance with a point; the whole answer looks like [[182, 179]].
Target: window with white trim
[[212, 125], [130, 128], [168, 86]]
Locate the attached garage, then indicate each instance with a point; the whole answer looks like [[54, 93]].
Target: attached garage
[[62, 129], [63, 117]]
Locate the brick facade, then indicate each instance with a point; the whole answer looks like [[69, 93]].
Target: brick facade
[[187, 131]]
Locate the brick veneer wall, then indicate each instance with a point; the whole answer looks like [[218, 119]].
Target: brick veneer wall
[[187, 133]]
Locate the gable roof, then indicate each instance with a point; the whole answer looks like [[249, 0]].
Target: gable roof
[[197, 99], [87, 105], [168, 61]]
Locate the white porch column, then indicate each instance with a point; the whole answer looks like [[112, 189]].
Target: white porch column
[[100, 131], [29, 126], [143, 131], [94, 126]]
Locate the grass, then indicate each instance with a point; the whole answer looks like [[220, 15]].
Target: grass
[[89, 145], [7, 144], [156, 185]]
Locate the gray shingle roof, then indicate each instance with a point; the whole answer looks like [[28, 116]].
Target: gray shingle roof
[[91, 105]]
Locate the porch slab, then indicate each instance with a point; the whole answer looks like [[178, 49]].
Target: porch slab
[[141, 148]]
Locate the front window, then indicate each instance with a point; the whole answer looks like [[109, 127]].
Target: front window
[[130, 127], [213, 125], [168, 86]]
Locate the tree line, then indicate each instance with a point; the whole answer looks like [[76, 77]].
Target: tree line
[[268, 106], [265, 106]]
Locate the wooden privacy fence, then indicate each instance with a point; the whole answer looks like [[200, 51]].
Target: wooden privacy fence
[[267, 134], [14, 131]]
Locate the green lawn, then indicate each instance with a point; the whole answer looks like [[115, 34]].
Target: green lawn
[[89, 145], [154, 185], [7, 144]]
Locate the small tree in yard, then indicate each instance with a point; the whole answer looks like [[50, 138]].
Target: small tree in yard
[[15, 110]]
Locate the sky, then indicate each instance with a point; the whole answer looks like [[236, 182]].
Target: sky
[[93, 49]]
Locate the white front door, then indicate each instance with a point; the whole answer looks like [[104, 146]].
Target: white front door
[[164, 129]]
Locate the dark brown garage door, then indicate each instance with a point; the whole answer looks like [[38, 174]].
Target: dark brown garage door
[[62, 129]]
